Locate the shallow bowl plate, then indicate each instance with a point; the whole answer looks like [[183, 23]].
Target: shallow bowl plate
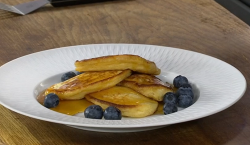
[[23, 78]]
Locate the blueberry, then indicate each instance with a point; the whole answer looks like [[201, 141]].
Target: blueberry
[[169, 108], [112, 113], [93, 112], [180, 80], [51, 100], [185, 101], [186, 86], [170, 98], [67, 76], [185, 91]]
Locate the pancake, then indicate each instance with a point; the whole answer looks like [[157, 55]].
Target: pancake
[[128, 101], [88, 82], [148, 85], [118, 62]]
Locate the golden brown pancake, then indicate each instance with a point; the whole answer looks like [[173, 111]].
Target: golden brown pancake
[[128, 101], [88, 82], [148, 85], [118, 62]]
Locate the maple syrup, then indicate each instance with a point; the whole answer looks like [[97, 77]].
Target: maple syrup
[[72, 107], [69, 107]]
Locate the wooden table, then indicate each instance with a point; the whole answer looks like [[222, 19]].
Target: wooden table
[[201, 26]]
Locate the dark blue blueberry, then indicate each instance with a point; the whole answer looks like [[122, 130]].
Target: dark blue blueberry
[[170, 98], [93, 112], [185, 91], [169, 108], [51, 100], [185, 101], [180, 80], [186, 86], [67, 76], [112, 113]]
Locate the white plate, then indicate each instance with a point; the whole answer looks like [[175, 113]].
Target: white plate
[[218, 85]]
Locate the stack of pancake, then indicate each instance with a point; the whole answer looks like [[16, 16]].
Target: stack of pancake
[[127, 82]]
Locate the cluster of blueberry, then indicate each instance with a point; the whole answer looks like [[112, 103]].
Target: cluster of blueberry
[[96, 112], [182, 98]]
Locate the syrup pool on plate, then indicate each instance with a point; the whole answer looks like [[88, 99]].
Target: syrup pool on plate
[[71, 107]]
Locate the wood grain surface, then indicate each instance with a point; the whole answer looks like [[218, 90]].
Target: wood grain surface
[[201, 26]]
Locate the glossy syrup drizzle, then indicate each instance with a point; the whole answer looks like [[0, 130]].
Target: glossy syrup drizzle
[[71, 107]]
